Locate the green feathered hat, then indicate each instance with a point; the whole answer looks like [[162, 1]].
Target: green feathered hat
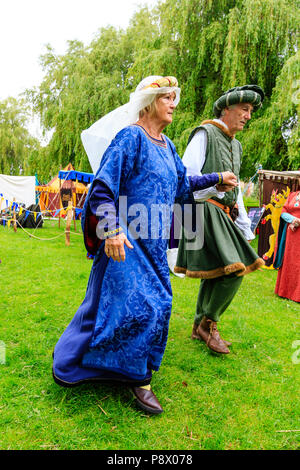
[[252, 94]]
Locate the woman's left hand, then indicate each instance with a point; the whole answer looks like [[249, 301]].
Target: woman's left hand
[[114, 247], [295, 224]]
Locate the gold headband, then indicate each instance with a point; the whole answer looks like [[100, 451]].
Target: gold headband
[[163, 82]]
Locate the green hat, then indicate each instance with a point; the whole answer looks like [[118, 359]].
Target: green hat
[[252, 94]]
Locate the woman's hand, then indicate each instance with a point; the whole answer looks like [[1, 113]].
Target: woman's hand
[[114, 247], [229, 182], [295, 224]]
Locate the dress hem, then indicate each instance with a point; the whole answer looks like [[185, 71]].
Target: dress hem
[[132, 382], [239, 268]]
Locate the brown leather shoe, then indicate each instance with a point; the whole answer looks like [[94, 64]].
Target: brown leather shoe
[[208, 332], [195, 335], [147, 400]]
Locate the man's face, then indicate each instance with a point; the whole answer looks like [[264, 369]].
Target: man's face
[[237, 116]]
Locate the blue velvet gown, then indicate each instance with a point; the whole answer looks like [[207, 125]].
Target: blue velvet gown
[[120, 330]]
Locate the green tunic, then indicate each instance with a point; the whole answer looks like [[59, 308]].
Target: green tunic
[[225, 249]]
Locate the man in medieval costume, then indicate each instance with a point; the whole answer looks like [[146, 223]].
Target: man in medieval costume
[[224, 254]]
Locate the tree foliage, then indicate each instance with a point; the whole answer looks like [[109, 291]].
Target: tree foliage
[[273, 138], [17, 146], [209, 45]]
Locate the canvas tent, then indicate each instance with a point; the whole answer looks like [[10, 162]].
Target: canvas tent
[[59, 191], [17, 188], [79, 176], [31, 217]]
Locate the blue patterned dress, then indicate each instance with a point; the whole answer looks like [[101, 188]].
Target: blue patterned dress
[[121, 328]]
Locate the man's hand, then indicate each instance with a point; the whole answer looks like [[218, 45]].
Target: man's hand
[[224, 188], [114, 247], [295, 224]]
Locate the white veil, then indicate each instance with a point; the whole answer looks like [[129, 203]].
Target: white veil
[[97, 138]]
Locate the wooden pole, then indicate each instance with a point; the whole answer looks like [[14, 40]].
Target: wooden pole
[[260, 180], [47, 199], [68, 224], [74, 218]]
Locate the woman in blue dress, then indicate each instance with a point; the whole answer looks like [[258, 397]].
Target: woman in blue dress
[[119, 332]]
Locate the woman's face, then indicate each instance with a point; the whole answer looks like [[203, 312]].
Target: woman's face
[[165, 107]]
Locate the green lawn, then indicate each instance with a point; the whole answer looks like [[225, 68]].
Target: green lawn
[[239, 401]]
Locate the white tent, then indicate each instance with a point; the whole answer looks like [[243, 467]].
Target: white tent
[[20, 188]]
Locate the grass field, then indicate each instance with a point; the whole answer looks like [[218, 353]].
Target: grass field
[[246, 400]]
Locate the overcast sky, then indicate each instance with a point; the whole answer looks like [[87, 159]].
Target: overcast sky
[[27, 25]]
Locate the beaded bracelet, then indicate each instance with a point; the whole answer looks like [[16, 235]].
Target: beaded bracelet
[[113, 232]]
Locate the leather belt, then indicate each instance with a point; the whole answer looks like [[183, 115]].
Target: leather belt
[[224, 208]]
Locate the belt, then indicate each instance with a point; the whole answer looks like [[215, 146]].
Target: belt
[[224, 208]]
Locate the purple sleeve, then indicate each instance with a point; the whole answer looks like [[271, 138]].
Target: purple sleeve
[[102, 205], [204, 181]]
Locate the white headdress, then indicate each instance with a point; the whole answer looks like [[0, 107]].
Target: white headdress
[[97, 138]]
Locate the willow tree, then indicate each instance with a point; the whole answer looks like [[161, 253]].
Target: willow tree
[[239, 42], [83, 85], [267, 33], [213, 45], [57, 101], [210, 45], [273, 138], [16, 144]]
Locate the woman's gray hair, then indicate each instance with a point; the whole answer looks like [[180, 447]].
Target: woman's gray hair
[[151, 108]]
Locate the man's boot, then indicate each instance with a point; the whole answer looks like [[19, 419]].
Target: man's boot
[[195, 335], [207, 331]]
